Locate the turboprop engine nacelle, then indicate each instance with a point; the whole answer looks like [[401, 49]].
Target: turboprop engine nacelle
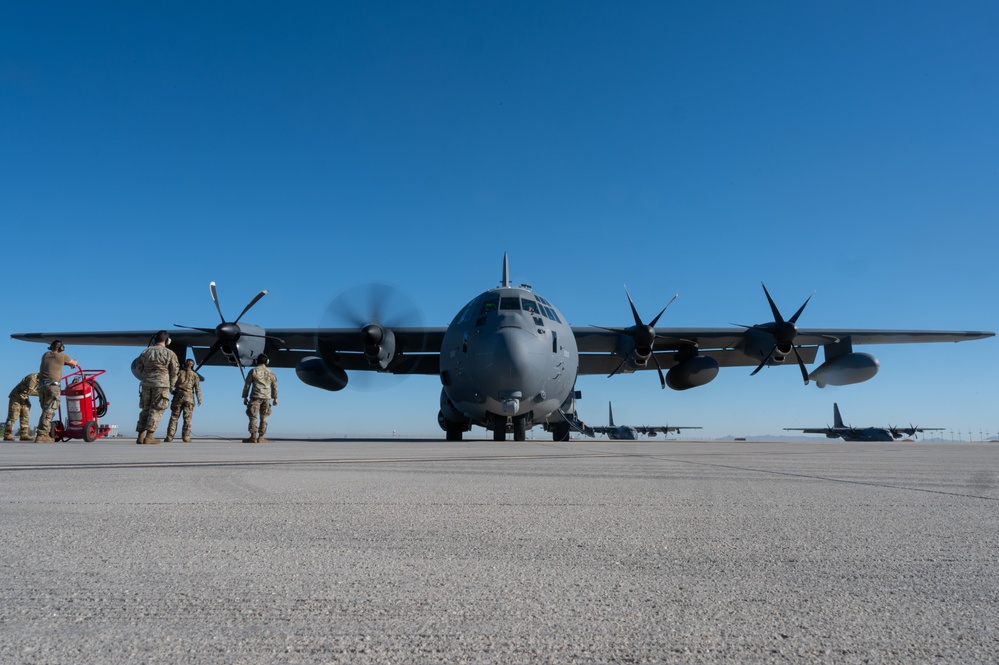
[[692, 372], [845, 369], [379, 345], [314, 371]]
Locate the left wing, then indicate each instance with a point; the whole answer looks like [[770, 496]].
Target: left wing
[[691, 356]]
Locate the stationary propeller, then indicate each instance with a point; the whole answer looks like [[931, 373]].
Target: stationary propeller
[[783, 333], [228, 333], [897, 432], [644, 336]]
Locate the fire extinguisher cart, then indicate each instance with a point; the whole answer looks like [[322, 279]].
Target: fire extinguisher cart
[[85, 405]]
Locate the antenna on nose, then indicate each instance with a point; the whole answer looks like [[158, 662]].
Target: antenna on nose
[[506, 271]]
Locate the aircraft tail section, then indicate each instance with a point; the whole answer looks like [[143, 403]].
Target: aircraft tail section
[[610, 415], [837, 419]]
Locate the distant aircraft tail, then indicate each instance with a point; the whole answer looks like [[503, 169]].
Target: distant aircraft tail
[[837, 419], [610, 415]]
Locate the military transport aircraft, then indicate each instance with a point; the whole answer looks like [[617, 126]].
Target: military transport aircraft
[[629, 432], [508, 361], [847, 433]]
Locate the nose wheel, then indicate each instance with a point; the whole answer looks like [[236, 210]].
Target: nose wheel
[[519, 429]]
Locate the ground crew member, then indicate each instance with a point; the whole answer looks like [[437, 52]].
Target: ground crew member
[[49, 376], [264, 387], [20, 407], [159, 368], [187, 387]]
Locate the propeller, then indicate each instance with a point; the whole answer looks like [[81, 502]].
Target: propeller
[[374, 309], [227, 333], [783, 333], [643, 335]]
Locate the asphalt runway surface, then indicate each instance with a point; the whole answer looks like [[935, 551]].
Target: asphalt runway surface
[[413, 551]]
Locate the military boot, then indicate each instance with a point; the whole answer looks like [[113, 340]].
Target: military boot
[[141, 438], [251, 439], [43, 438], [186, 439], [151, 439], [7, 436]]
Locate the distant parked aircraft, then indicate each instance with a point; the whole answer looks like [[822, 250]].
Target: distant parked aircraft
[[628, 432], [847, 433]]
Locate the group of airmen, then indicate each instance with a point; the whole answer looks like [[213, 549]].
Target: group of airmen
[[161, 377]]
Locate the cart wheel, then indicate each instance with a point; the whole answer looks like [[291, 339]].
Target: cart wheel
[[90, 431], [57, 432]]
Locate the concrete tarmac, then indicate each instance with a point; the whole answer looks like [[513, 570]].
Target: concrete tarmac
[[419, 551]]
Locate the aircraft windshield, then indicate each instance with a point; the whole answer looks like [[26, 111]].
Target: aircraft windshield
[[509, 302], [489, 305]]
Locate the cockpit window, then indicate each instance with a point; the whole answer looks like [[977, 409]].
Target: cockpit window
[[529, 306], [465, 313], [489, 305], [509, 302]]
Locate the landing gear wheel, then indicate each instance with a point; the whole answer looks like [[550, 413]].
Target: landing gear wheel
[[561, 432], [90, 431], [453, 434], [499, 432], [520, 428]]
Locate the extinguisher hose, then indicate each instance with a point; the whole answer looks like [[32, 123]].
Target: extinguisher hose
[[100, 401]]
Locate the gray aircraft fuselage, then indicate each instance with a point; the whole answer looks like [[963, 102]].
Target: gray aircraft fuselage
[[861, 434], [508, 354]]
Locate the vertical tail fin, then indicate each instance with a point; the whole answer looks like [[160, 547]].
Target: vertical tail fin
[[837, 420], [506, 271], [610, 415]]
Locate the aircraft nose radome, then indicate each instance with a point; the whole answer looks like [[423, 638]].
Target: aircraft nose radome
[[511, 360]]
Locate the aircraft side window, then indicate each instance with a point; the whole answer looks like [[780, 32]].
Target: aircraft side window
[[547, 311], [510, 302], [555, 316], [529, 306]]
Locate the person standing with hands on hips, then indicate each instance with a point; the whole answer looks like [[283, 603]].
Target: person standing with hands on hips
[[159, 368], [259, 387]]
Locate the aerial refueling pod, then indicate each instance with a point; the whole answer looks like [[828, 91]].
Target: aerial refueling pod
[[314, 371], [845, 369], [692, 372]]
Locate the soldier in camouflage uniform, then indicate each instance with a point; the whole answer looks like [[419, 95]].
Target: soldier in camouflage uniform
[[264, 387], [20, 407], [49, 377], [187, 387], [159, 368]]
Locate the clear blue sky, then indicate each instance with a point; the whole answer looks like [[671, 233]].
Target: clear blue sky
[[844, 148]]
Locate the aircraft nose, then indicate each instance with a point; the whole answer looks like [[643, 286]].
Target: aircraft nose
[[512, 364]]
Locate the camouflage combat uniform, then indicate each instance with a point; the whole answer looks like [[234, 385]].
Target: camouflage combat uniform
[[264, 388], [20, 407], [159, 368], [187, 387], [49, 377]]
